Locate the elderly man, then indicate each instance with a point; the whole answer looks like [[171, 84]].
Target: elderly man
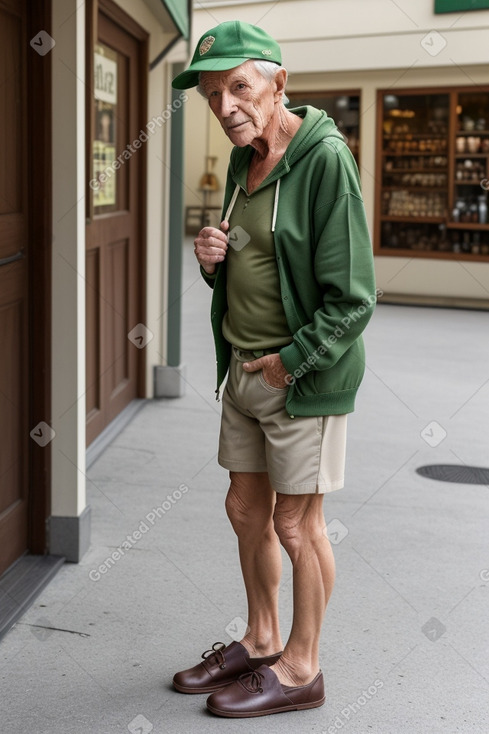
[[291, 269]]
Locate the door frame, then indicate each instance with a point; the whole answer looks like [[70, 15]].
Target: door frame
[[116, 14], [39, 152]]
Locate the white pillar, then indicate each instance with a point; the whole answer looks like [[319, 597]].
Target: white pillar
[[69, 524]]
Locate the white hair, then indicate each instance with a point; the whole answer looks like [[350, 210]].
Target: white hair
[[268, 70]]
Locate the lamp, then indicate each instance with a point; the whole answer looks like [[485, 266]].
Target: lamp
[[208, 184]]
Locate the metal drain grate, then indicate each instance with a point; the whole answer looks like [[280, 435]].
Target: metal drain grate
[[455, 473]]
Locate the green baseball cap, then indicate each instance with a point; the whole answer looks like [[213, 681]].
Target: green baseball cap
[[226, 46]]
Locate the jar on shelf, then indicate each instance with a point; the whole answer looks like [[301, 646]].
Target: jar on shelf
[[475, 246], [473, 144], [482, 209], [460, 144]]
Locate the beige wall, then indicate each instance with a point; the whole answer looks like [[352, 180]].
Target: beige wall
[[328, 35], [158, 154], [68, 496], [354, 44]]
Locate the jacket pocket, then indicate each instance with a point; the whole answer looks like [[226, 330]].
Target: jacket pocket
[[346, 374]]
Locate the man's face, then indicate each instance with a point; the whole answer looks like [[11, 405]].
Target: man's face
[[242, 100]]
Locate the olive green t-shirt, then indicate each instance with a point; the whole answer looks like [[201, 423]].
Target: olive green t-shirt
[[256, 318]]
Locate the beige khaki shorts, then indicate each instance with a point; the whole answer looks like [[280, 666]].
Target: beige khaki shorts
[[302, 455]]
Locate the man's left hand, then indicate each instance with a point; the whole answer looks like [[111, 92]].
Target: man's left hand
[[274, 373]]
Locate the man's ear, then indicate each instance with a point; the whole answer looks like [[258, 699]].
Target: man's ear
[[280, 82]]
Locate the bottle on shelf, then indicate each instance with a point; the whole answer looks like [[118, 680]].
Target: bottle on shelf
[[474, 213], [482, 210], [470, 211]]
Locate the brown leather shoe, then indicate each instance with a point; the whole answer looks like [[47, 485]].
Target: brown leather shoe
[[221, 666], [260, 693]]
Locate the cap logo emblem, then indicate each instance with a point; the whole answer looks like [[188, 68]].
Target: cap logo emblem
[[206, 44], [266, 52]]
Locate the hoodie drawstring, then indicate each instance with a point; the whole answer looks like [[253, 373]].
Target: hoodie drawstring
[[275, 204], [231, 203]]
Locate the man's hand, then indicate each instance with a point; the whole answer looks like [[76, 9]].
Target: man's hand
[[210, 246], [274, 373]]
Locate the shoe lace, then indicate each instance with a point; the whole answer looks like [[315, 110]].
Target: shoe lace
[[252, 681], [216, 654]]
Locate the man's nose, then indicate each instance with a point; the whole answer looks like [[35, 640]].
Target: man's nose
[[228, 103]]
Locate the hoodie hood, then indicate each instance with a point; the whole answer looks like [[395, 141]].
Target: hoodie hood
[[316, 127]]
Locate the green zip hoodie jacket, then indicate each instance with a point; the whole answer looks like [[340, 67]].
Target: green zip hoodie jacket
[[325, 264]]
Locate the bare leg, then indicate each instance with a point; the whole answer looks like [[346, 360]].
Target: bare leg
[[250, 503], [300, 525]]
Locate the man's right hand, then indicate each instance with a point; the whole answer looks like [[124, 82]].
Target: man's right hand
[[210, 246]]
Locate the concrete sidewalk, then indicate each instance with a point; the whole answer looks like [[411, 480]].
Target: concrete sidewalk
[[405, 646]]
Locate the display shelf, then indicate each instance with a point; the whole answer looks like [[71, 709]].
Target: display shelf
[[432, 254], [419, 189], [451, 127], [414, 151], [408, 135], [422, 220], [416, 170], [468, 225]]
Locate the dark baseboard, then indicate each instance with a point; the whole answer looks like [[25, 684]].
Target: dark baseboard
[[401, 299], [69, 537], [110, 432], [21, 584]]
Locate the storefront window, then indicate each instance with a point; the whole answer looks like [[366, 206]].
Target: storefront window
[[342, 107], [432, 174]]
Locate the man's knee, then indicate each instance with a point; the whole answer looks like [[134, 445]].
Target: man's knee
[[287, 528], [236, 509], [298, 520], [248, 506]]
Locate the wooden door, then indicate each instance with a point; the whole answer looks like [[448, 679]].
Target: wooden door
[[14, 302], [114, 243]]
